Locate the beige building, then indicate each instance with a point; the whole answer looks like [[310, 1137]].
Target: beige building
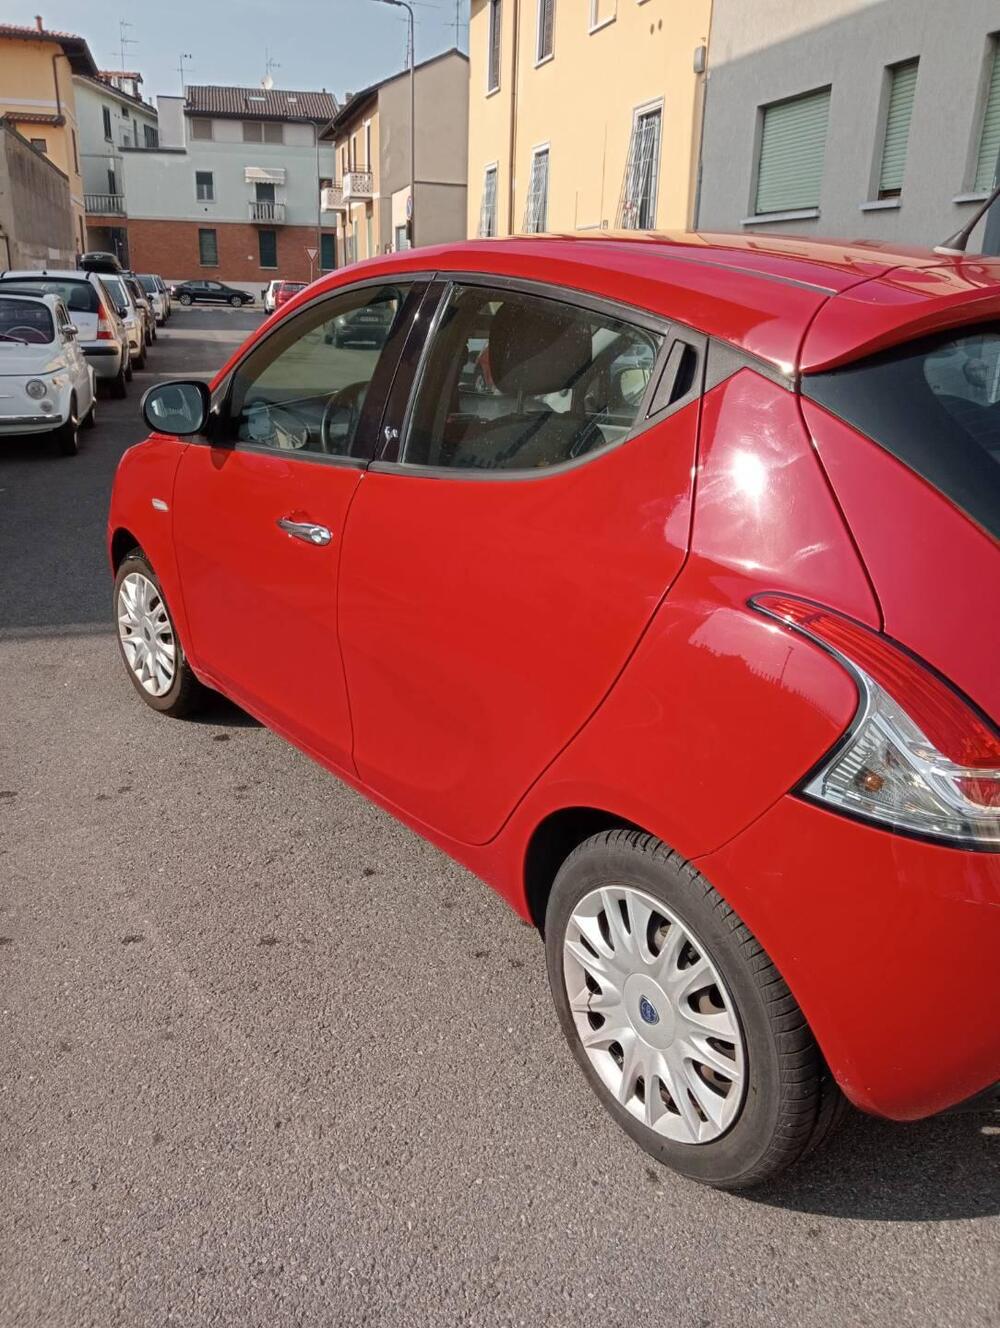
[[37, 97], [371, 136], [584, 114]]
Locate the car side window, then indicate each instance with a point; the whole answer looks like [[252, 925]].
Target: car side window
[[518, 382], [304, 388]]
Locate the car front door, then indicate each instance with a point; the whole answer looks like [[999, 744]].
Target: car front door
[[259, 516], [497, 575]]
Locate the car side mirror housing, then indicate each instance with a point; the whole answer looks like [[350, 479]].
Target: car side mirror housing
[[180, 408]]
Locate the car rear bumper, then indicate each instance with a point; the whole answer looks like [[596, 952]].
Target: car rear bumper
[[105, 360], [889, 944]]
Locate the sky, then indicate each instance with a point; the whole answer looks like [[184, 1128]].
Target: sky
[[340, 45]]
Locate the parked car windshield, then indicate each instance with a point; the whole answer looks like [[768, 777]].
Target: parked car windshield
[[78, 296], [149, 285], [934, 404], [28, 322]]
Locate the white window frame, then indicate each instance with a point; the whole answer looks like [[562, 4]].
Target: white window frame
[[494, 168], [540, 58], [211, 187], [537, 151], [492, 5], [647, 108], [597, 24]]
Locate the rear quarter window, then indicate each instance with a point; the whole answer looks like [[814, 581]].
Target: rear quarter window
[[935, 405]]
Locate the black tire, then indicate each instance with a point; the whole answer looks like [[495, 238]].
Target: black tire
[[186, 693], [185, 300], [236, 302], [129, 369], [790, 1102], [119, 384], [67, 437], [139, 361], [90, 419]]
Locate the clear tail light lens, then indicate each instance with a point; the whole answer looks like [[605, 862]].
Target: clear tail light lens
[[918, 757], [105, 332]]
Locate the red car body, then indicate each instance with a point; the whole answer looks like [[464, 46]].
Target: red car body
[[507, 666], [285, 291]]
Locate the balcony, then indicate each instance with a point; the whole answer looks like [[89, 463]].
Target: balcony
[[358, 186], [105, 205], [331, 199], [270, 214]]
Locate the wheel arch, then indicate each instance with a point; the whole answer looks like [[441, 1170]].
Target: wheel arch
[[552, 841], [122, 542]]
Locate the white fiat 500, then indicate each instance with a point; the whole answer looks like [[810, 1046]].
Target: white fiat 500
[[46, 384]]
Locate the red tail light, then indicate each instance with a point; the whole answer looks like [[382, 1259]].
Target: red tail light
[[105, 331]]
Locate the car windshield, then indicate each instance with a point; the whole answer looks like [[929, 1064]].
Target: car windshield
[[149, 285], [24, 322], [79, 297], [116, 290], [935, 405]]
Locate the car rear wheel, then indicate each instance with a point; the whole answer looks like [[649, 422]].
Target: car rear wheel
[[683, 1026], [150, 648], [139, 361], [184, 299], [67, 436]]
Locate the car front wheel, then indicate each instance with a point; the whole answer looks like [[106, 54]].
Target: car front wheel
[[184, 299], [149, 645], [236, 302], [67, 436], [683, 1026]]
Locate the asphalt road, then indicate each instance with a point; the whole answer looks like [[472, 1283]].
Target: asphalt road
[[269, 1059]]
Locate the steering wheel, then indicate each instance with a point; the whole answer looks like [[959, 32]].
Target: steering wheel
[[34, 334], [341, 416]]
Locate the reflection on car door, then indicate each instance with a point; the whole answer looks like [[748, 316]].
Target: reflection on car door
[[259, 517], [495, 581]]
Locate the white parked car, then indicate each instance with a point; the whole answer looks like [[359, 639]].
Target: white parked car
[[156, 297], [268, 296], [129, 312], [46, 384], [102, 335]]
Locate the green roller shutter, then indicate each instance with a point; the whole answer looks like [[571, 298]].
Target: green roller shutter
[[903, 85], [989, 142], [792, 143]]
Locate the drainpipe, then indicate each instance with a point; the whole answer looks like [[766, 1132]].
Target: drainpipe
[[55, 79], [513, 116], [703, 107]]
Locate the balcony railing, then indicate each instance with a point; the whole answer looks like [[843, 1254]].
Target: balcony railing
[[105, 205], [358, 185], [271, 213], [332, 199]]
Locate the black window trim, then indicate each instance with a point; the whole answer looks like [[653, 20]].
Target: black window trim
[[394, 434], [219, 404]]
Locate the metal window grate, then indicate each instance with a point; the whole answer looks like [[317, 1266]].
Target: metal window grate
[[546, 16], [637, 205], [989, 138], [494, 53], [902, 89], [537, 205], [488, 211]]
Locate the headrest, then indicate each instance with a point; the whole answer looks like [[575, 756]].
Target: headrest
[[79, 300], [539, 352]]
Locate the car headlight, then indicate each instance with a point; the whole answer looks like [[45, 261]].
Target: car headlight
[[35, 388]]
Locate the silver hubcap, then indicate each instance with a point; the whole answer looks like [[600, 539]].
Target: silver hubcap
[[146, 634], [653, 1015]]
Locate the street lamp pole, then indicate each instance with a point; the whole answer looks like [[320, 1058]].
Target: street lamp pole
[[402, 4]]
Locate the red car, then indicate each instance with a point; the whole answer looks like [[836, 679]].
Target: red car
[[684, 636], [284, 291]]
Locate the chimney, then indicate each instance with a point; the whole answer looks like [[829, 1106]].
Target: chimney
[[38, 23]]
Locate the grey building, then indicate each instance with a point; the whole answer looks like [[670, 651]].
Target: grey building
[[862, 119], [36, 220]]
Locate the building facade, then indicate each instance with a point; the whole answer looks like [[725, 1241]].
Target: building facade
[[36, 221], [584, 114], [372, 145], [232, 191], [112, 116], [866, 119], [37, 97]]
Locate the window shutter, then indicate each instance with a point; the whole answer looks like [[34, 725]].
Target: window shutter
[[989, 141], [493, 75], [792, 145], [487, 213], [536, 207], [545, 16], [897, 127]]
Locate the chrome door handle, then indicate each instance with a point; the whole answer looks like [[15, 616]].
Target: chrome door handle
[[306, 531]]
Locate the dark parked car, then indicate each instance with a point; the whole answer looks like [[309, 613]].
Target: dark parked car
[[210, 292], [99, 261], [367, 326]]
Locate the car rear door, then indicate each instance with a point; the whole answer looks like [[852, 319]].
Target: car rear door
[[259, 514], [498, 572]]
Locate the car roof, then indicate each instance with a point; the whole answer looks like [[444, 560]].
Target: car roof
[[799, 304]]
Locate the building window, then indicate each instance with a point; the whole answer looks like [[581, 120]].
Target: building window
[[204, 186], [543, 40], [493, 59], [537, 206], [602, 12], [901, 90], [989, 137], [790, 156], [76, 154], [201, 128], [208, 248], [368, 145], [151, 136], [257, 131], [327, 253], [637, 209], [106, 117], [488, 210], [40, 144], [112, 182], [267, 248]]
